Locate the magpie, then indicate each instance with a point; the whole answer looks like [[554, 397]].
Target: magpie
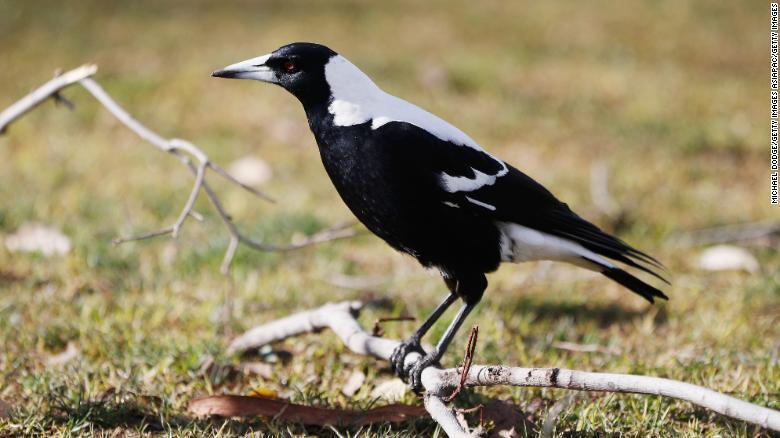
[[429, 190]]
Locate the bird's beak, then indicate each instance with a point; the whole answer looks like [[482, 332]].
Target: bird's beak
[[254, 68]]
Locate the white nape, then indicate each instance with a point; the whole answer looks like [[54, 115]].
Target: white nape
[[357, 99], [523, 244]]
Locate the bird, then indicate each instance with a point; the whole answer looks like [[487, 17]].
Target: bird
[[429, 190]]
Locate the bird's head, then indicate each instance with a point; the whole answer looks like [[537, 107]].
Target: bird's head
[[298, 68]]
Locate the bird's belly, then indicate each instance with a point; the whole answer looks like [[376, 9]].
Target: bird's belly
[[411, 221]]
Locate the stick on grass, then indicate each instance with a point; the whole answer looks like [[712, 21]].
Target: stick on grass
[[440, 383]]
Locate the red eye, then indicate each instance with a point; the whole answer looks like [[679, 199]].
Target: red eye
[[290, 67]]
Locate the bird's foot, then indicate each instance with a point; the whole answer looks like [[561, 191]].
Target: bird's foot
[[398, 357], [415, 374]]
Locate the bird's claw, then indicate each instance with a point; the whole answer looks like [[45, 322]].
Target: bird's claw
[[398, 357], [415, 373]]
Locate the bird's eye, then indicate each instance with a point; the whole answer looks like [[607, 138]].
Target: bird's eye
[[290, 67]]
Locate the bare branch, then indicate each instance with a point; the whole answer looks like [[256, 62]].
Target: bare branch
[[377, 329], [732, 233], [186, 152], [44, 92], [440, 383], [468, 359], [201, 173]]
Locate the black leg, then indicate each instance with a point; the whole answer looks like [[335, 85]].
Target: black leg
[[434, 356], [413, 342]]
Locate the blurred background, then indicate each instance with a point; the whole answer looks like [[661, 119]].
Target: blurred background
[[660, 104]]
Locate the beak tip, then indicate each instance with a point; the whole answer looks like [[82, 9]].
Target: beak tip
[[222, 74]]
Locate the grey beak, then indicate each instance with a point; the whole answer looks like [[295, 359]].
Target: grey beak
[[254, 68]]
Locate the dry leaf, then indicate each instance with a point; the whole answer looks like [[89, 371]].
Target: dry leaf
[[244, 406], [9, 277], [354, 382], [390, 390], [31, 237], [5, 409], [71, 352], [251, 171], [727, 257], [508, 420]]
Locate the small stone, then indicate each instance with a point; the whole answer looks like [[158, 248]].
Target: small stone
[[727, 257]]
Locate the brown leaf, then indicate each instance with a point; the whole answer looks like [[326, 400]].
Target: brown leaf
[[243, 406], [4, 409], [508, 420]]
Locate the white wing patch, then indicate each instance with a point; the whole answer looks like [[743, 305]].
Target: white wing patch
[[454, 184], [481, 204], [523, 244], [357, 99]]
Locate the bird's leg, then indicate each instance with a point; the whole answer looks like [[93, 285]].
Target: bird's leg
[[415, 374], [413, 342], [468, 287]]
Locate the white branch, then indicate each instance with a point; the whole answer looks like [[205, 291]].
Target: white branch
[[183, 150], [43, 93], [439, 383]]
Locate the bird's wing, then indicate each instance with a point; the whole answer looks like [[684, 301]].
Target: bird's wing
[[517, 198], [471, 179]]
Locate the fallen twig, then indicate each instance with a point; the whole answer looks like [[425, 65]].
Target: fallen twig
[[468, 358], [187, 153], [585, 348], [555, 411], [732, 233], [440, 383], [378, 331]]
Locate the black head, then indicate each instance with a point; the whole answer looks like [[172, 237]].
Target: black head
[[298, 67]]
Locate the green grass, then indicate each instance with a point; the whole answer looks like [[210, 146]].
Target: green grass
[[665, 93]]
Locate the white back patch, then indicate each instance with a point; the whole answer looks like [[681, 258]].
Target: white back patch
[[357, 99]]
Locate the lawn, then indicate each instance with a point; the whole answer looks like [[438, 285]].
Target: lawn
[[669, 97]]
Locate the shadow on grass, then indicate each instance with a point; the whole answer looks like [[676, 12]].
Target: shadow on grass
[[603, 315]]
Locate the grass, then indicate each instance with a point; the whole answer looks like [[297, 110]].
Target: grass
[[664, 93]]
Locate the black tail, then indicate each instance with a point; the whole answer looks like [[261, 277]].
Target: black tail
[[640, 287]]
